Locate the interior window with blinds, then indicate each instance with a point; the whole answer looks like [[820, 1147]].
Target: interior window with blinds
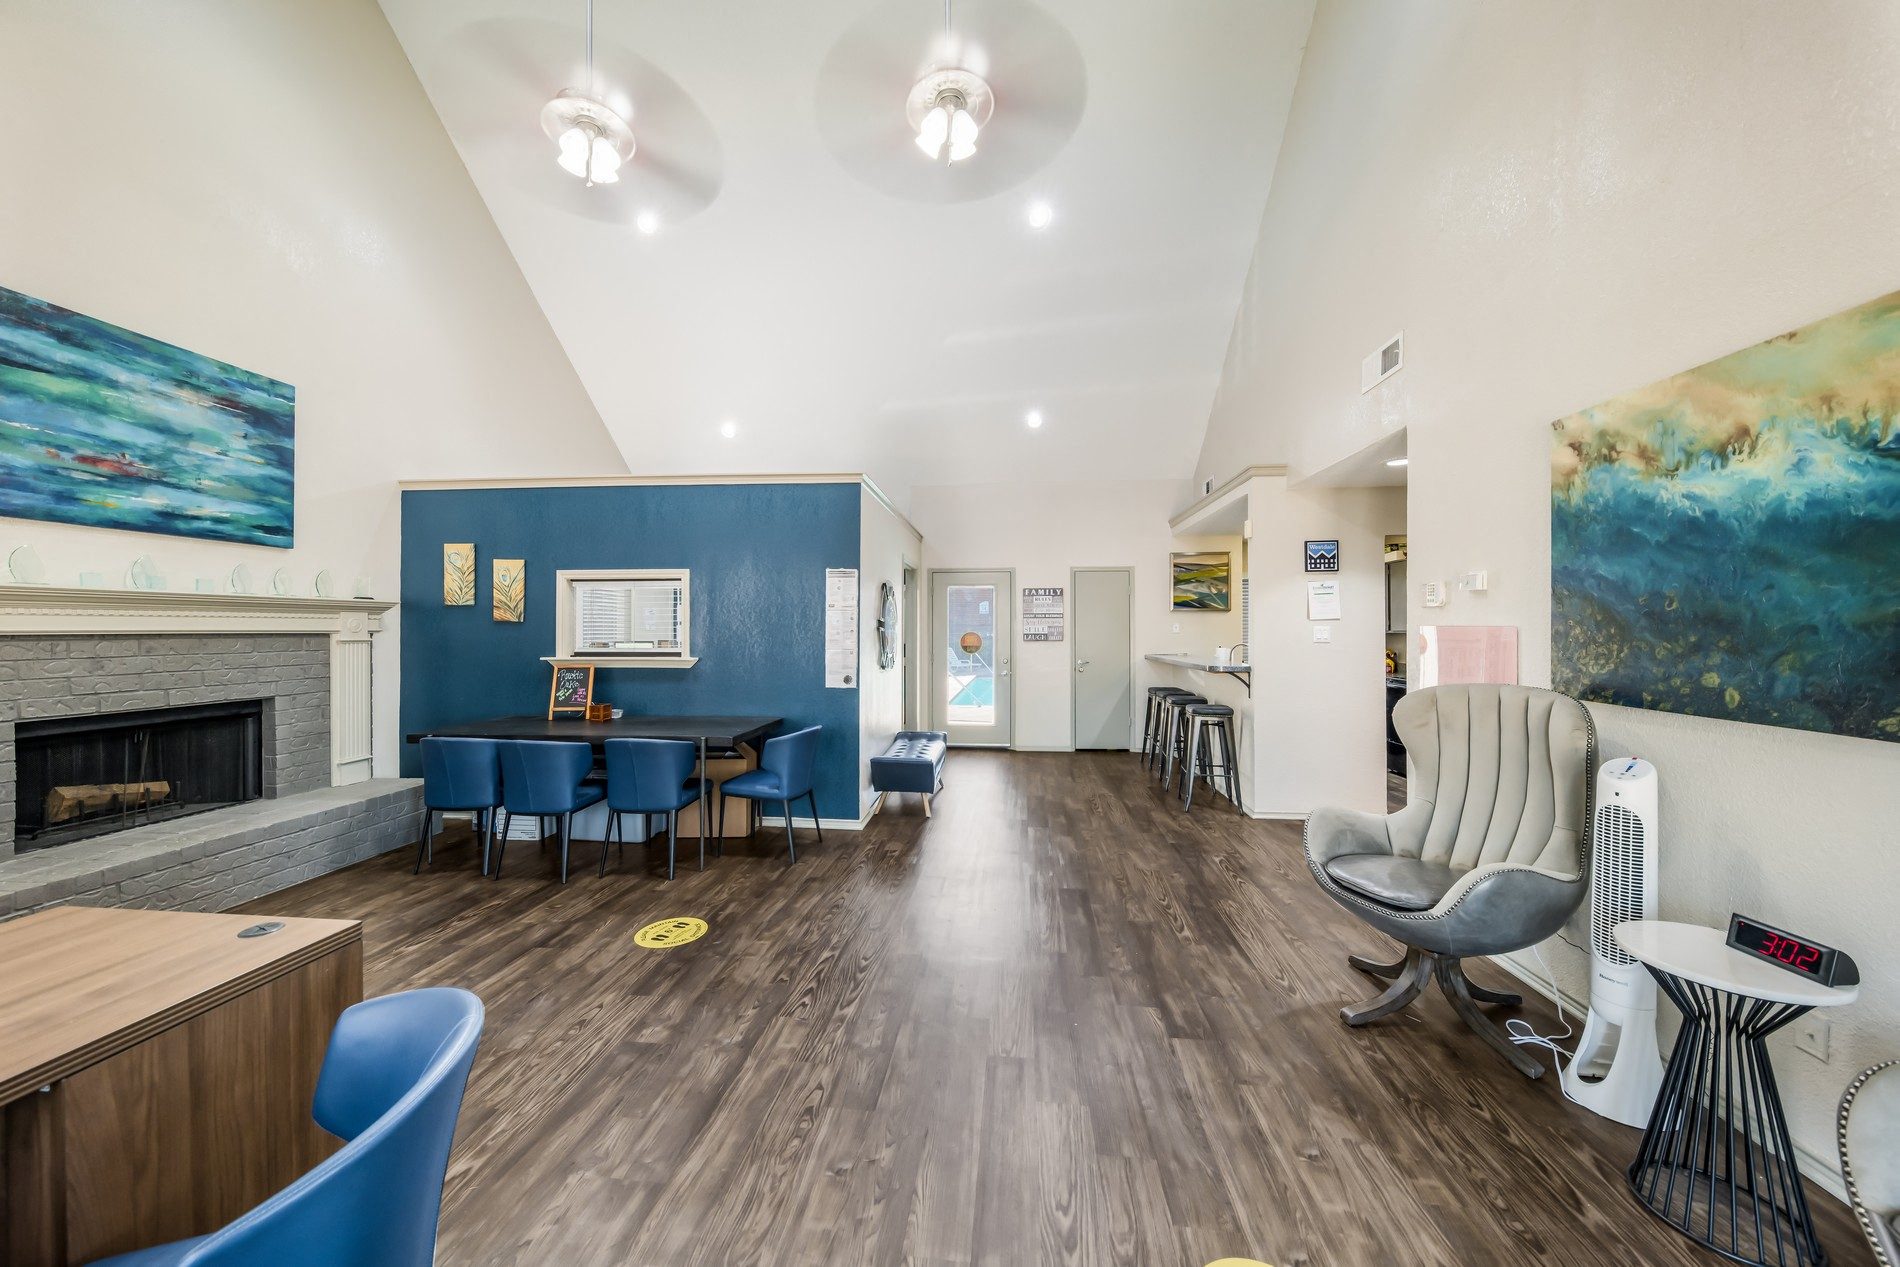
[[636, 616]]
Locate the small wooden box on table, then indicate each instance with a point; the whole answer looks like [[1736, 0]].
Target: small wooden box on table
[[156, 1072]]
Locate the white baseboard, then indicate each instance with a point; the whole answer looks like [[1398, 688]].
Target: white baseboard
[[1824, 1171], [1036, 747]]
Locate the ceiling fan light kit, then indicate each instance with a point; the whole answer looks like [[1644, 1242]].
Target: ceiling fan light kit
[[595, 142], [947, 109]]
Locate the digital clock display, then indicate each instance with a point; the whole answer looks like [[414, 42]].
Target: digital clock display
[[1821, 963]]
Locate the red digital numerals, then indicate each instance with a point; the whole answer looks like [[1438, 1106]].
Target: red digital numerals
[[1797, 955]]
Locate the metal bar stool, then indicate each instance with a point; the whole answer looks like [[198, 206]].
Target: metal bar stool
[[1174, 733], [1153, 725], [1209, 724]]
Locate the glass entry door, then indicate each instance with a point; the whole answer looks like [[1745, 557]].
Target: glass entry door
[[972, 627]]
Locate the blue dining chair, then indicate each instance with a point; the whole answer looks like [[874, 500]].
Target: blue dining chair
[[391, 1089], [459, 774], [543, 777], [652, 776], [784, 775]]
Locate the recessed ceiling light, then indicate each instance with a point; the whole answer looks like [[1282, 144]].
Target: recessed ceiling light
[[1041, 215], [729, 428], [647, 222], [1397, 461], [1033, 418]]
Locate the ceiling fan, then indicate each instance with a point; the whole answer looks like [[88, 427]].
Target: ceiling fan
[[989, 96], [620, 140]]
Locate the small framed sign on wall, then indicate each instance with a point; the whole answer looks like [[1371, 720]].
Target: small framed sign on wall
[[1322, 556], [572, 691]]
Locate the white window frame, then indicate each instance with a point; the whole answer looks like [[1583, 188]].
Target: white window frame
[[564, 616]]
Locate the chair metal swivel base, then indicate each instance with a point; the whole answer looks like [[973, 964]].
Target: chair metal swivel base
[[1409, 977]]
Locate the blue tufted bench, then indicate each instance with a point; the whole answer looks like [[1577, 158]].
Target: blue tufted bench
[[913, 763]]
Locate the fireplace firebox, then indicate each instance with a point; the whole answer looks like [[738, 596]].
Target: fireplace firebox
[[81, 777]]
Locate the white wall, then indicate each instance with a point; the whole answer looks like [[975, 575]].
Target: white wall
[[1318, 733], [1558, 202], [886, 546], [264, 182], [1043, 530]]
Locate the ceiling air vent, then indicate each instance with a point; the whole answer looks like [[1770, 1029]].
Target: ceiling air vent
[[1383, 364]]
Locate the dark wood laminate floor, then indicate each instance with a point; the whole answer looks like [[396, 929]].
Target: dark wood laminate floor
[[1058, 1023]]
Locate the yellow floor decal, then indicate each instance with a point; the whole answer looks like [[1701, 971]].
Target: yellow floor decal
[[668, 933]]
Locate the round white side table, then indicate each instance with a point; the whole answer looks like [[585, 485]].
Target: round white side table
[[1716, 1162]]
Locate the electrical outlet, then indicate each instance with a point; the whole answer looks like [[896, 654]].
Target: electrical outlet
[[1811, 1035], [1322, 633], [1176, 628]]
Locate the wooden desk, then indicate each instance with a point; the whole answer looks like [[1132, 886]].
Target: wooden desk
[[156, 1072]]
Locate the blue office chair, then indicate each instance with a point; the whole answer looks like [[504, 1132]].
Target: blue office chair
[[459, 774], [784, 775], [391, 1088], [652, 776], [543, 777]]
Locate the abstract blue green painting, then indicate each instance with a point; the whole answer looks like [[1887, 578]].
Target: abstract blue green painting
[[107, 428], [1726, 542]]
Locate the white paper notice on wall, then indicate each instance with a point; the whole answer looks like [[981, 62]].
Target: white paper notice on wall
[[1322, 600], [841, 627], [1042, 614]]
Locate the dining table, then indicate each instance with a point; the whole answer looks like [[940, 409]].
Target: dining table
[[709, 733]]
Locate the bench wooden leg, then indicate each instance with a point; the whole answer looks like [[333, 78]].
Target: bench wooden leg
[[926, 805]]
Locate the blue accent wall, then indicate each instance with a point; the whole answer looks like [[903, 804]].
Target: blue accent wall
[[757, 553]]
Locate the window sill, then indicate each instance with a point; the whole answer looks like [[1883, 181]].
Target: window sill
[[671, 662]]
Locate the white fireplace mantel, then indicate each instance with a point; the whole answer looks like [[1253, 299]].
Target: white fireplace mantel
[[47, 610]]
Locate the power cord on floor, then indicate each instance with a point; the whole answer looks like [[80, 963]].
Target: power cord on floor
[[1520, 1031]]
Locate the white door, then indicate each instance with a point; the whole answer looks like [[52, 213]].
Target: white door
[[972, 630], [1103, 659]]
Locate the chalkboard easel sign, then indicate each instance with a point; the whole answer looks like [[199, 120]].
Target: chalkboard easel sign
[[573, 689]]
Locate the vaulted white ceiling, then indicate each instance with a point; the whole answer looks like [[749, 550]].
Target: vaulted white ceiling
[[843, 327]]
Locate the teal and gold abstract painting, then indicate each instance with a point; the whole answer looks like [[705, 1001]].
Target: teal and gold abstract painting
[[1727, 542], [107, 428]]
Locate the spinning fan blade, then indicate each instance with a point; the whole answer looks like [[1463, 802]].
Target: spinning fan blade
[[1030, 61], [495, 76]]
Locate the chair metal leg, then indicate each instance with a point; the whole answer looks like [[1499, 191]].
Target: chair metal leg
[[567, 825], [1232, 758], [672, 842], [723, 798], [488, 836], [1373, 968], [1411, 980], [501, 845], [701, 816], [1451, 979], [424, 848], [816, 826], [613, 825], [1480, 994], [791, 847], [1196, 752]]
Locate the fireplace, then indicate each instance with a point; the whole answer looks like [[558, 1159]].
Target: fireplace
[[85, 776]]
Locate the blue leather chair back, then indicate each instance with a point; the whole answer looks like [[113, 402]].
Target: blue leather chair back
[[391, 1086], [645, 776], [543, 776], [461, 773], [790, 757]]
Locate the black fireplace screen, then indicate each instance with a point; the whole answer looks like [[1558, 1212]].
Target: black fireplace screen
[[86, 776]]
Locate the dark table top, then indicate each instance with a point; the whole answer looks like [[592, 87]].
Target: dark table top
[[718, 732]]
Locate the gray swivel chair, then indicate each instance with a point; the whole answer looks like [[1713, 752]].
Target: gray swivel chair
[[1490, 854], [1870, 1157]]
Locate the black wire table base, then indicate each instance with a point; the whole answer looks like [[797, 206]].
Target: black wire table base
[[1716, 1162]]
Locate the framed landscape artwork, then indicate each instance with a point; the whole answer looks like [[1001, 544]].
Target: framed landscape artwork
[[1726, 542], [106, 428], [1202, 580]]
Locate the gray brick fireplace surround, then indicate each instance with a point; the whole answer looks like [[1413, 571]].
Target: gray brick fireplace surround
[[303, 826]]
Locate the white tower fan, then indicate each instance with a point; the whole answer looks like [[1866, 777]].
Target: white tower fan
[[1618, 1068]]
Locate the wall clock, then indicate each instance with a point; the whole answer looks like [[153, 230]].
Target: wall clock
[[886, 626]]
